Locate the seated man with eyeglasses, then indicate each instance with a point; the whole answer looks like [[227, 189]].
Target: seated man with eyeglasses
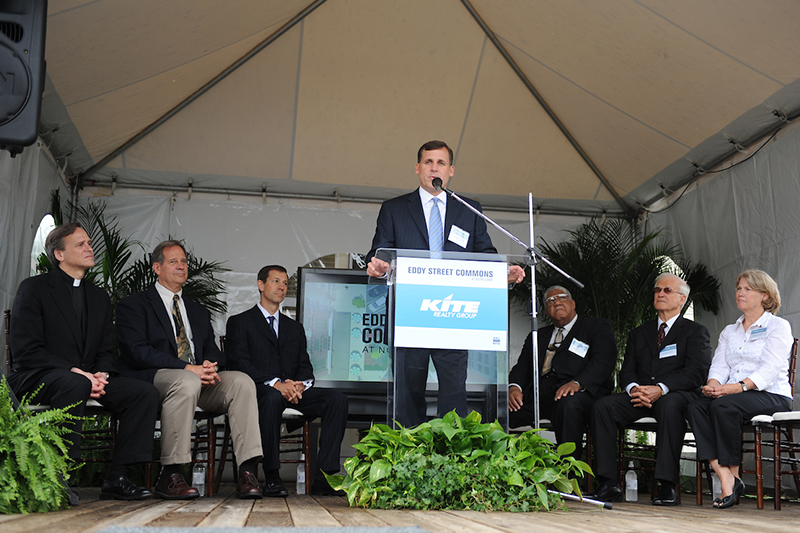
[[666, 362], [576, 358]]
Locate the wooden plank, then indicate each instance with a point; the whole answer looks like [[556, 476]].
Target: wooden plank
[[178, 520], [201, 505], [75, 518], [453, 522], [140, 517], [270, 512], [399, 518], [273, 519], [270, 505], [232, 513], [306, 512]]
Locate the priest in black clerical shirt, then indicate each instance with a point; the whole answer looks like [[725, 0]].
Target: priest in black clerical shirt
[[61, 339]]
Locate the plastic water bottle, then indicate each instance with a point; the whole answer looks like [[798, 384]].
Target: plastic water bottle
[[301, 475], [631, 484], [199, 475], [716, 486]]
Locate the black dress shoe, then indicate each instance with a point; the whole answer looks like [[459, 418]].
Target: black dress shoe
[[733, 498], [606, 492], [122, 488], [321, 487], [666, 496], [274, 489]]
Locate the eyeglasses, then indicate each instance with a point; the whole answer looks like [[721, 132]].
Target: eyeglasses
[[557, 298], [667, 290]]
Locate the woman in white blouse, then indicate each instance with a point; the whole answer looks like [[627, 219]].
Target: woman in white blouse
[[749, 376]]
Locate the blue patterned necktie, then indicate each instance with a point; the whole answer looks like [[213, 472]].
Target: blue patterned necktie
[[271, 320], [436, 230]]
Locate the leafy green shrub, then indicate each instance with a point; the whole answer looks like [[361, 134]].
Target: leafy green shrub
[[33, 456], [458, 463]]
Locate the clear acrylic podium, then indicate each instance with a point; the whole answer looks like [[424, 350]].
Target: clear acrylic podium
[[447, 329]]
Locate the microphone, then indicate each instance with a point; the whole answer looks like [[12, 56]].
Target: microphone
[[437, 184]]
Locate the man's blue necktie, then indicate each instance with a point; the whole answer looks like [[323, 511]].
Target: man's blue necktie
[[436, 229]]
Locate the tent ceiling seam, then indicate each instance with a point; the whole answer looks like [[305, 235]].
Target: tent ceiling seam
[[116, 185], [202, 90], [529, 85]]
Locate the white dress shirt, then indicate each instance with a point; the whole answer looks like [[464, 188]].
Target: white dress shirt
[[275, 327], [166, 297], [761, 353], [427, 199], [670, 322]]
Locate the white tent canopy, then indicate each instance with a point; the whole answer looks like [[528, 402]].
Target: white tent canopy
[[594, 106]]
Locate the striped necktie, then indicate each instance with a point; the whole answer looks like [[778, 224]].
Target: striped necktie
[[436, 230]]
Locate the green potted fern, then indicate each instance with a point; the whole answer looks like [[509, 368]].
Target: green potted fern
[[33, 456]]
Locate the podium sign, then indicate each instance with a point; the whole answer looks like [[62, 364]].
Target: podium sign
[[451, 304]]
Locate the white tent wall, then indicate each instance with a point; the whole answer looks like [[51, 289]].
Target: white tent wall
[[246, 234], [25, 184], [745, 217]]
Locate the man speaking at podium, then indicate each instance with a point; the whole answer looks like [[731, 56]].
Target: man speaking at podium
[[426, 220]]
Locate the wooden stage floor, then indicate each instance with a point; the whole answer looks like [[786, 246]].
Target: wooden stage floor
[[225, 510]]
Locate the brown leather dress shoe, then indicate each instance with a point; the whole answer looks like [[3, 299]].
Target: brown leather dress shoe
[[247, 487], [175, 487]]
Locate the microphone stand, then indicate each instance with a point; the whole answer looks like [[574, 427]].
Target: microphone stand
[[535, 256]]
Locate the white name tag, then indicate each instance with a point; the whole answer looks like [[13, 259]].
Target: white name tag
[[758, 334], [668, 351], [458, 236], [578, 348]]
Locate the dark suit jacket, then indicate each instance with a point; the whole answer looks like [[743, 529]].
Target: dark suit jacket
[[147, 341], [401, 224], [685, 371], [594, 371], [251, 347], [46, 335]]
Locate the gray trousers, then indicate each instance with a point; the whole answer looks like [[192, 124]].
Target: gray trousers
[[181, 391]]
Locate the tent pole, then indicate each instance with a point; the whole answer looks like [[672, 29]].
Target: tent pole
[[199, 92], [513, 64]]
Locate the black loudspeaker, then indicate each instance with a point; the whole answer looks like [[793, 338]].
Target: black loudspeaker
[[22, 71]]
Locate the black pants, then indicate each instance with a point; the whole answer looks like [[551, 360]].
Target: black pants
[[616, 411], [411, 378], [328, 405], [717, 422], [570, 415], [134, 401]]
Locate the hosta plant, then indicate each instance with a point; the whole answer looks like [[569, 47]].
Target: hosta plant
[[458, 463]]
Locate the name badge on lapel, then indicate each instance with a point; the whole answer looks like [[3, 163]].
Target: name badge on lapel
[[579, 348], [458, 236], [668, 351], [758, 334]]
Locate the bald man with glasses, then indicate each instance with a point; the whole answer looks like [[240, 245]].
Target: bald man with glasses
[[666, 362], [576, 358]]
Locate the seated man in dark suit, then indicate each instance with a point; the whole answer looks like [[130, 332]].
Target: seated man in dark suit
[[576, 360], [167, 340], [666, 362], [271, 348], [426, 219], [62, 338]]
